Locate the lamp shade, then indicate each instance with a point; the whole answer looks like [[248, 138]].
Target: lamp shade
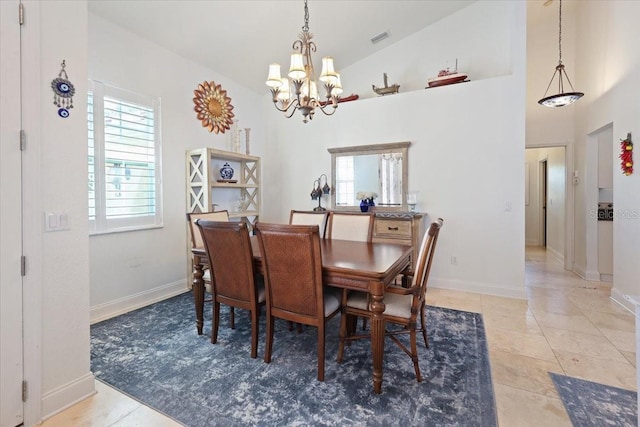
[[561, 99], [296, 71], [284, 90], [274, 80], [328, 74], [337, 88]]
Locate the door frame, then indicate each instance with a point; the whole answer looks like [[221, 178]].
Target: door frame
[[569, 198], [543, 189]]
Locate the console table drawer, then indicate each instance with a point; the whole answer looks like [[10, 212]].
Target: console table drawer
[[394, 228]]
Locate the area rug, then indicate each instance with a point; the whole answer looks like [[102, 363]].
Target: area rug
[[154, 355], [598, 405]]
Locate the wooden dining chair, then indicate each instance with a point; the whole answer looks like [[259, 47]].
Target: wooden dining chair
[[197, 243], [319, 218], [233, 283], [402, 305], [354, 226], [292, 266]]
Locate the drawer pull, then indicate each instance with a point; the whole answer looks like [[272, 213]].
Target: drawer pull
[[392, 228]]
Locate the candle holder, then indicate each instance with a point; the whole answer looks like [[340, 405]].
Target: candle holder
[[320, 190]]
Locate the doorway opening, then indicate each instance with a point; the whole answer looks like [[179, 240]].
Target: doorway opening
[[546, 204]]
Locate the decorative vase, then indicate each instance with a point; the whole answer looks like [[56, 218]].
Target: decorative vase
[[364, 205], [371, 202], [226, 171]]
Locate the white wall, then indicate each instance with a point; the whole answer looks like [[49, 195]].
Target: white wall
[[133, 268], [466, 157], [556, 199], [609, 67], [478, 44]]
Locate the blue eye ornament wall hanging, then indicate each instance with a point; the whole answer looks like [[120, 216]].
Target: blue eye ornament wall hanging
[[63, 91]]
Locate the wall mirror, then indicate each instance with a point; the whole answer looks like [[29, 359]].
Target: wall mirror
[[379, 168]]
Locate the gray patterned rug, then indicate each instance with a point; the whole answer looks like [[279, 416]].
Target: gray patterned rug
[[592, 404], [154, 355]]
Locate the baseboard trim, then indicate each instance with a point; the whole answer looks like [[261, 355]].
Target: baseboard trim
[[606, 277], [67, 395], [120, 306], [592, 276], [532, 242], [619, 298], [478, 288], [554, 253]]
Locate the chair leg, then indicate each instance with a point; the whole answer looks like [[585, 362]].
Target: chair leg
[[254, 332], [343, 334], [321, 350], [269, 342], [216, 322], [232, 317], [424, 327], [364, 323], [414, 354]]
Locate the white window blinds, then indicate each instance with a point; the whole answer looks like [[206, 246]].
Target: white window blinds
[[124, 160]]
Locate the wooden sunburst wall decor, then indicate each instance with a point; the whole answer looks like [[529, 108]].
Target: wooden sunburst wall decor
[[213, 107]]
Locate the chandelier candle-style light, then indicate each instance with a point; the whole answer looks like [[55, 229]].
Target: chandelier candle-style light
[[305, 89], [562, 98]]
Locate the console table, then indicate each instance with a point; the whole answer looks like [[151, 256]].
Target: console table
[[406, 228]]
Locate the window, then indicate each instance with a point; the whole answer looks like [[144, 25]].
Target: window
[[124, 160], [345, 180]]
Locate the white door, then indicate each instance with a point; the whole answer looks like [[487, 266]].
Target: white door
[[11, 342]]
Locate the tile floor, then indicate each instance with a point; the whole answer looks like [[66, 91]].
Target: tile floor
[[568, 326]]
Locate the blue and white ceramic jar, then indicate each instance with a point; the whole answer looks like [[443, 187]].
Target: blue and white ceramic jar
[[226, 171]]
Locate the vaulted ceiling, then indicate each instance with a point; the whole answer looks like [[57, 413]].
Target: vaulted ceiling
[[239, 38]]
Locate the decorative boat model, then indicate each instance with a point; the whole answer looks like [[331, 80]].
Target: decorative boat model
[[446, 77], [386, 89]]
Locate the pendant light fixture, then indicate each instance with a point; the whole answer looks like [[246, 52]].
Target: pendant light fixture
[[299, 92], [562, 98]]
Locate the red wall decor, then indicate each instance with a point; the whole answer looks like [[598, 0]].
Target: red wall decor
[[626, 155]]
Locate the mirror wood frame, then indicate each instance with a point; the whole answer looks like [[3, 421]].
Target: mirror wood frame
[[395, 147]]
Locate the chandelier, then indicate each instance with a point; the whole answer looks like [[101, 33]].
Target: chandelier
[[561, 98], [301, 78]]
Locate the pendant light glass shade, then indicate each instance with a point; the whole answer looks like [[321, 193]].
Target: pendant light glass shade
[[562, 98]]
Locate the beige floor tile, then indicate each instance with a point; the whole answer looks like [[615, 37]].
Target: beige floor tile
[[552, 304], [491, 303], [525, 322], [630, 356], [585, 344], [146, 417], [519, 408], [617, 321], [518, 343], [524, 373], [569, 322], [617, 374], [605, 305], [104, 408], [465, 301], [622, 340]]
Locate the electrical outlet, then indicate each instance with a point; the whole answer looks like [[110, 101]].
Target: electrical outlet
[[454, 260]]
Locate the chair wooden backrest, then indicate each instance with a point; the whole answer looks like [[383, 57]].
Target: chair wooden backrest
[[354, 226], [228, 248], [292, 265], [196, 237], [423, 263], [318, 218]]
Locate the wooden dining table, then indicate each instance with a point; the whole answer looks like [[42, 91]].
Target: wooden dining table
[[362, 266]]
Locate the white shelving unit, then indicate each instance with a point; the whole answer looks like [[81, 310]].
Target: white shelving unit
[[205, 192]]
